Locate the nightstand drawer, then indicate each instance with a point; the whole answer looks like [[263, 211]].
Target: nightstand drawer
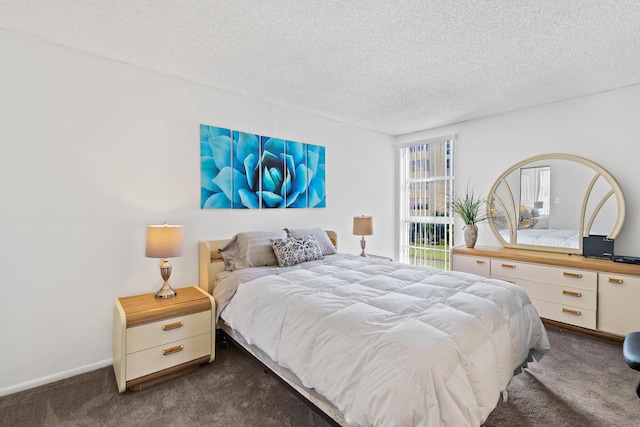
[[168, 330], [166, 356]]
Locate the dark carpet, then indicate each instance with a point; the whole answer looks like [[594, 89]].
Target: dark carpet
[[581, 382]]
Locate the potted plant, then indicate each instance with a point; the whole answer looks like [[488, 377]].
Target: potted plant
[[471, 210]]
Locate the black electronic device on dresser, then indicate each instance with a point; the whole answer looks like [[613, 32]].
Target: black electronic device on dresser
[[626, 259], [596, 246]]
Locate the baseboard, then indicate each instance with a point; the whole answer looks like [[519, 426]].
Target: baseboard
[[598, 335], [55, 377]]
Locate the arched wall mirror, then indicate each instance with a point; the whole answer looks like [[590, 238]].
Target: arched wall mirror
[[549, 202]]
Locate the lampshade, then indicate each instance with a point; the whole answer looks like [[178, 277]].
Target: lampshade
[[362, 225], [164, 241]]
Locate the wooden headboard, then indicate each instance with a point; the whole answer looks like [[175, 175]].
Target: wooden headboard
[[211, 263]]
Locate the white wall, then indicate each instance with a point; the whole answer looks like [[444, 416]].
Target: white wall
[[91, 152], [604, 128]]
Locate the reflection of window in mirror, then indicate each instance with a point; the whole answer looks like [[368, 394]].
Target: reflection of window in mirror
[[535, 197]]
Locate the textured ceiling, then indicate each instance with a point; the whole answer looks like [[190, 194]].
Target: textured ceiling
[[391, 66]]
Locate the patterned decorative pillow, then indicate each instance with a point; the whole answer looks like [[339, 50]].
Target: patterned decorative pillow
[[294, 250], [320, 236]]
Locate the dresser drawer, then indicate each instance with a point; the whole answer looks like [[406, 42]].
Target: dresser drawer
[[565, 313], [166, 356], [471, 264], [618, 296], [168, 330], [579, 279], [564, 295]]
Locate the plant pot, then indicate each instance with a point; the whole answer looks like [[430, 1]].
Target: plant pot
[[470, 235]]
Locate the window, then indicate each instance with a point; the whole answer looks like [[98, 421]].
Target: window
[[426, 221]]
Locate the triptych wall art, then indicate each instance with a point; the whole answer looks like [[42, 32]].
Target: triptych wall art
[[242, 170]]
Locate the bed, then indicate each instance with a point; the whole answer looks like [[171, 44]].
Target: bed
[[370, 341]]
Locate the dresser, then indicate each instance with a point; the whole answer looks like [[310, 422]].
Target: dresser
[[593, 294], [158, 339]]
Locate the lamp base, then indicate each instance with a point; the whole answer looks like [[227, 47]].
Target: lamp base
[[363, 243], [166, 291]]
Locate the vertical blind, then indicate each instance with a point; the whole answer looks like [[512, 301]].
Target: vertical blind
[[426, 180]]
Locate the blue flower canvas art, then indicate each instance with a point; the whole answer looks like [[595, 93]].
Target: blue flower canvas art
[[296, 171], [272, 167], [317, 176], [246, 173], [215, 167], [241, 170]]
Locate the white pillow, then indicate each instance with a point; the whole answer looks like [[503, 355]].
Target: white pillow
[[251, 249]]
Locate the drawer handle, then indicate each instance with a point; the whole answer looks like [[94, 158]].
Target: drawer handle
[[171, 326], [569, 311], [171, 350], [479, 261], [576, 275], [510, 281], [508, 266], [616, 281], [572, 293]]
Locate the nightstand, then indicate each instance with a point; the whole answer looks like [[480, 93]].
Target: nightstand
[[379, 257], [158, 339]]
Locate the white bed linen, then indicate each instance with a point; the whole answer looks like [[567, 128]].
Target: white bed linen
[[390, 344]]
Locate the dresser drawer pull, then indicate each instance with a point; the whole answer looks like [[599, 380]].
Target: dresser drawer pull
[[171, 350], [576, 275], [572, 293], [171, 326], [569, 311], [616, 281], [479, 261], [508, 266]]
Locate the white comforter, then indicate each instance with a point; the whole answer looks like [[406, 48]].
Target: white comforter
[[390, 344]]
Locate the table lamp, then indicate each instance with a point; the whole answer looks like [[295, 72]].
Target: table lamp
[[362, 226], [165, 241]]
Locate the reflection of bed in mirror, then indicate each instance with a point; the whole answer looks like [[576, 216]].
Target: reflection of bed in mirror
[[545, 237], [549, 202]]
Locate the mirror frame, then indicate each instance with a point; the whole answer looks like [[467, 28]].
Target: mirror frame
[[584, 226]]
